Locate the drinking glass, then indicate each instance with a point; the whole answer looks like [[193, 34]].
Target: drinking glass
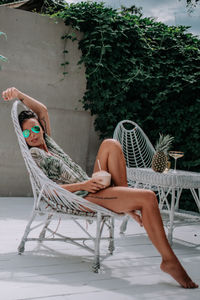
[[176, 155]]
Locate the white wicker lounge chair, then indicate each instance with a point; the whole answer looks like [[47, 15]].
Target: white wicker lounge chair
[[50, 200], [136, 146]]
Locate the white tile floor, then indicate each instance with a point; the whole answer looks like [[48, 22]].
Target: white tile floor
[[58, 271]]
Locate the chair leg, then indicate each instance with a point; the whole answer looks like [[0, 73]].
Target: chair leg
[[124, 224], [21, 247], [96, 264], [43, 232], [111, 246]]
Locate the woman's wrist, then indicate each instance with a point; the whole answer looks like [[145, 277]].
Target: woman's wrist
[[74, 187], [20, 96], [82, 186]]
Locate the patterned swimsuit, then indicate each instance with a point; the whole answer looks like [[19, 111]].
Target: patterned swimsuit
[[59, 167]]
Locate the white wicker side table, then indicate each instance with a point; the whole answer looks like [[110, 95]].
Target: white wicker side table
[[169, 186]]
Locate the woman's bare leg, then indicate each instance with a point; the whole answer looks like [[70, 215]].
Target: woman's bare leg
[[127, 200], [112, 160]]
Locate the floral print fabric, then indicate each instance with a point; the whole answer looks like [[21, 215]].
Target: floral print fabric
[[58, 166]]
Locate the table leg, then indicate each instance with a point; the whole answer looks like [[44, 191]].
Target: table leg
[[179, 191], [163, 201], [175, 196], [171, 217], [196, 196]]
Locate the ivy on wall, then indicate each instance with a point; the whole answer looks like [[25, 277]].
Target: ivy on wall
[[140, 69], [3, 58]]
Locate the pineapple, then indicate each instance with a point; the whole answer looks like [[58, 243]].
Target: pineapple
[[159, 161]]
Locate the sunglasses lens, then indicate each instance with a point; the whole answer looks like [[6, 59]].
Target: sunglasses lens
[[35, 129], [26, 133]]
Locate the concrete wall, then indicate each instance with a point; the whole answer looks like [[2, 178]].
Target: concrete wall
[[35, 51]]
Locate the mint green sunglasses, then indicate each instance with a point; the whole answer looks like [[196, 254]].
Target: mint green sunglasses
[[26, 132]]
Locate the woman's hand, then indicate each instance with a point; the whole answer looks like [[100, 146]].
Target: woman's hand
[[10, 94], [92, 185]]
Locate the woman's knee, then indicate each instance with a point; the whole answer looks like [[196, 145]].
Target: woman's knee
[[111, 144], [151, 199]]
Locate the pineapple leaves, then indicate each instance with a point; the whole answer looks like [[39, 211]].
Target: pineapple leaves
[[164, 143]]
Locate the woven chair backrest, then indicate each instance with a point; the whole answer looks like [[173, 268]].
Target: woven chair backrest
[[36, 175], [136, 146]]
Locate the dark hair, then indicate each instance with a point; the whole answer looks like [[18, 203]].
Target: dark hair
[[28, 114]]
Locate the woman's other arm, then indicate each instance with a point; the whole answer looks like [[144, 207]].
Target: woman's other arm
[[91, 186], [39, 108]]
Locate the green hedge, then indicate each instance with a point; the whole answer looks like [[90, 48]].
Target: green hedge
[[142, 70], [3, 58]]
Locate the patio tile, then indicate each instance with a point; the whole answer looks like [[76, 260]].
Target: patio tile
[[58, 271]]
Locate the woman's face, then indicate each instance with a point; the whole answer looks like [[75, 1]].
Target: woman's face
[[34, 139]]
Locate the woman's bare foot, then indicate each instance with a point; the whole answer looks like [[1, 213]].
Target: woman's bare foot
[[175, 269]]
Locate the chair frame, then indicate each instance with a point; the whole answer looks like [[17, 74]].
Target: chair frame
[[136, 146], [51, 200]]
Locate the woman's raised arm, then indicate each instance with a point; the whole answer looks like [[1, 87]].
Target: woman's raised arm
[[39, 108]]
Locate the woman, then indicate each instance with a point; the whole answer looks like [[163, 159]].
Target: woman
[[118, 197]]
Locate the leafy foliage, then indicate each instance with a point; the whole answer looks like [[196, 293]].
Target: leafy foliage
[[142, 70], [8, 1], [192, 2], [3, 58], [191, 5]]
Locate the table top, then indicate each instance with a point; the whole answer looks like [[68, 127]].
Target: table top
[[178, 178]]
